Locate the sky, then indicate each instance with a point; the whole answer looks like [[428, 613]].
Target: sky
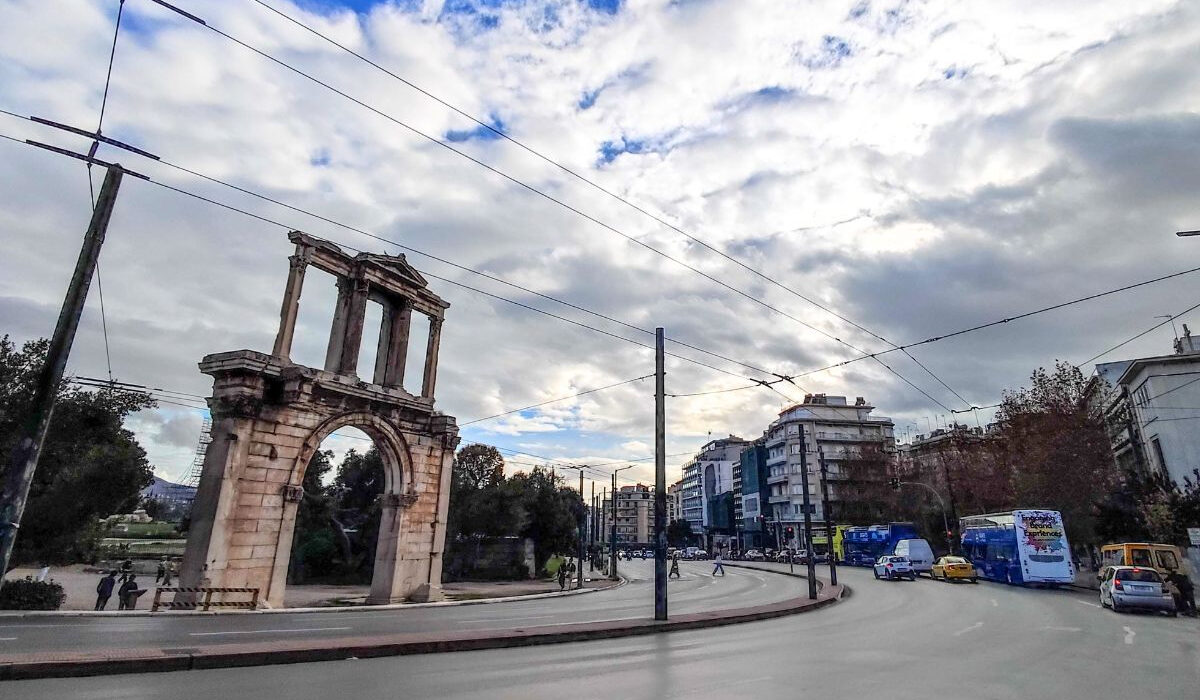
[[916, 167]]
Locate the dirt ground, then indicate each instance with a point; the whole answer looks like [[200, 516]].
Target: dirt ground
[[80, 588]]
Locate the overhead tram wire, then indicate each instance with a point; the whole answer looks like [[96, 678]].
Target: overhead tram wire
[[843, 363], [600, 188], [530, 188]]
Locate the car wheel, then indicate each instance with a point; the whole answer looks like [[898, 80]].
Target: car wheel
[[974, 580], [876, 574], [912, 576]]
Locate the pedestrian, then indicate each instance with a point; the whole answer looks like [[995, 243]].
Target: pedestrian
[[126, 595], [169, 573], [562, 575], [1184, 593], [104, 589], [717, 564], [161, 571], [674, 567]]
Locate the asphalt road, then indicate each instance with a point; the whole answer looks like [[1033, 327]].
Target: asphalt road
[[696, 591], [921, 639]]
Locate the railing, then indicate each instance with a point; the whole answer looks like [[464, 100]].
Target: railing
[[208, 602]]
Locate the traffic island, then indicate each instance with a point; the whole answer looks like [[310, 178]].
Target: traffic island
[[156, 660]]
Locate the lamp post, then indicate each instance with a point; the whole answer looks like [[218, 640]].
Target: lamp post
[[1187, 233], [938, 496], [612, 546]]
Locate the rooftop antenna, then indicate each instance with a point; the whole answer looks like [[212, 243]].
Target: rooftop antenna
[[1173, 329]]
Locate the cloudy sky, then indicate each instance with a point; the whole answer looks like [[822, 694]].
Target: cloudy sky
[[917, 167]]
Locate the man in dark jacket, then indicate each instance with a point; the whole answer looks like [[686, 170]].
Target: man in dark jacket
[[104, 589], [127, 594], [1185, 593]]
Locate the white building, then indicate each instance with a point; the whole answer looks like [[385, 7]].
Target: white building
[[705, 477], [1153, 410], [825, 425]]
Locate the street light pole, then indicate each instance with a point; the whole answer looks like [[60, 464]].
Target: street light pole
[[660, 479], [812, 567], [829, 526], [1187, 233], [941, 504], [613, 524]]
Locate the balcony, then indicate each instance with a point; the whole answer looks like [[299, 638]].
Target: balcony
[[782, 498]]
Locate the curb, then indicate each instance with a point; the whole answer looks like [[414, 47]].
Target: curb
[[12, 614], [240, 655]]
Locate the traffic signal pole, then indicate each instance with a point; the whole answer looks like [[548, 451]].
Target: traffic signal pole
[[660, 480], [828, 513], [812, 565]]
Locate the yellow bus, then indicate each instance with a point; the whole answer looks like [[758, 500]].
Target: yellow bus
[[1164, 558]]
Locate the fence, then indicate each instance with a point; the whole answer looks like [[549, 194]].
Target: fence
[[208, 602]]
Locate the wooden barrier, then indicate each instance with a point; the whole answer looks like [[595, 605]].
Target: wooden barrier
[[208, 602]]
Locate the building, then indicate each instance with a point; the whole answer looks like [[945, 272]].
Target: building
[[634, 517], [674, 502], [854, 444], [754, 493], [1151, 406], [707, 491]]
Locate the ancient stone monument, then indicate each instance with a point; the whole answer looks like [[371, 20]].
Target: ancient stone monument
[[270, 415]]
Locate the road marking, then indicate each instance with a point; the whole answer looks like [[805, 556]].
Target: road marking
[[517, 619], [994, 603], [1094, 605], [1062, 629], [1129, 635], [963, 631], [8, 639], [306, 629]]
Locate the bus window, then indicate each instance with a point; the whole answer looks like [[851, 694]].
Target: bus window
[[1140, 557], [1167, 560]]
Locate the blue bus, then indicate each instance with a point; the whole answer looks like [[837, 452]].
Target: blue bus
[[863, 545], [1018, 547]]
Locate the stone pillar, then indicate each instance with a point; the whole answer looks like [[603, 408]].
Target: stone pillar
[[431, 358], [206, 552], [433, 590], [394, 576], [337, 332], [392, 351], [291, 307], [356, 316]]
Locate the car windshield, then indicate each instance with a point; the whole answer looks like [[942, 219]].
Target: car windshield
[[1148, 575], [955, 560]]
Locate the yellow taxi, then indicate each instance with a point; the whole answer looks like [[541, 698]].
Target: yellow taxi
[[954, 568]]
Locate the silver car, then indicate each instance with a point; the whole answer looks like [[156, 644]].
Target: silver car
[[893, 568], [1135, 588]]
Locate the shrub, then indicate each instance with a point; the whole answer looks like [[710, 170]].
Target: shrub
[[27, 594]]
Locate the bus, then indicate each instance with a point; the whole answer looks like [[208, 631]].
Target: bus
[[1018, 547], [864, 545]]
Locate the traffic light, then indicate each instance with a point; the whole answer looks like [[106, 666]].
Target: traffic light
[[789, 531]]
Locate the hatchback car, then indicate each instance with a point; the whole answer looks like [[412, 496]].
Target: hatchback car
[[754, 555], [954, 569], [894, 567], [1134, 588]]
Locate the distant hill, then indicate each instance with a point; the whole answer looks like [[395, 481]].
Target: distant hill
[[162, 489]]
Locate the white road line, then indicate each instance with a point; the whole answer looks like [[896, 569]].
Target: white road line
[[306, 629], [515, 620], [963, 631], [1129, 634], [1094, 605], [8, 639], [994, 603], [1062, 629]]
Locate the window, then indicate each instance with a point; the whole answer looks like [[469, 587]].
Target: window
[[1158, 453], [1140, 557], [793, 429], [1167, 560], [1142, 575], [795, 448]]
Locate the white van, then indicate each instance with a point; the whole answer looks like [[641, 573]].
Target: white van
[[919, 553]]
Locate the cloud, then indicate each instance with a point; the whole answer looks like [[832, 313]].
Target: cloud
[[917, 167]]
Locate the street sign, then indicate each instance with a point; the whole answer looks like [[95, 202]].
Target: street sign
[[1194, 536]]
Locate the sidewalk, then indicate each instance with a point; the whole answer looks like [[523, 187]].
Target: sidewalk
[[153, 660]]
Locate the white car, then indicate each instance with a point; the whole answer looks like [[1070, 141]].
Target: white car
[[892, 567], [754, 555], [1132, 587]]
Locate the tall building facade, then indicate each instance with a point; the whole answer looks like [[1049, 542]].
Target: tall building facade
[[708, 491], [854, 445], [634, 517]]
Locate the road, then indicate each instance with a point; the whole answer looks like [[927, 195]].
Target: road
[[921, 639], [696, 591]]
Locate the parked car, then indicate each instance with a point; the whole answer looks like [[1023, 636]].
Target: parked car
[[701, 554], [1132, 587], [647, 553], [754, 555], [893, 567], [953, 569], [919, 554]]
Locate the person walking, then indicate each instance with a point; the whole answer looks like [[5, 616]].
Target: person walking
[[169, 574], [562, 575], [674, 566], [126, 596], [161, 571], [104, 589], [1184, 593], [717, 564]]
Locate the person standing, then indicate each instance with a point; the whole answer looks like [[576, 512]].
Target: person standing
[[717, 564], [562, 575], [1184, 593], [169, 574], [104, 589], [674, 566], [162, 570], [126, 594]]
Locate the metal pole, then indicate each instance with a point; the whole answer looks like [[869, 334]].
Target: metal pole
[[812, 567], [23, 460], [660, 480], [612, 545], [829, 526], [582, 521], [941, 504]]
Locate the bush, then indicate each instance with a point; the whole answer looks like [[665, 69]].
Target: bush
[[27, 594]]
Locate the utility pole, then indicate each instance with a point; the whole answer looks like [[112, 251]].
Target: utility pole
[[23, 460], [812, 566], [829, 526], [613, 532], [660, 480], [582, 521]]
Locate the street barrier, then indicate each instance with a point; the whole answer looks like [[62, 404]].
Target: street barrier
[[208, 602]]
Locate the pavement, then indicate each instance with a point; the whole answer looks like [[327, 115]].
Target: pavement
[[902, 639], [37, 646]]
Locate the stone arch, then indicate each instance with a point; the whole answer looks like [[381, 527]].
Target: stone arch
[[393, 449]]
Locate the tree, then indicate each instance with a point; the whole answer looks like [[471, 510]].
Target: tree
[[90, 465], [1054, 450], [679, 533], [552, 512]]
